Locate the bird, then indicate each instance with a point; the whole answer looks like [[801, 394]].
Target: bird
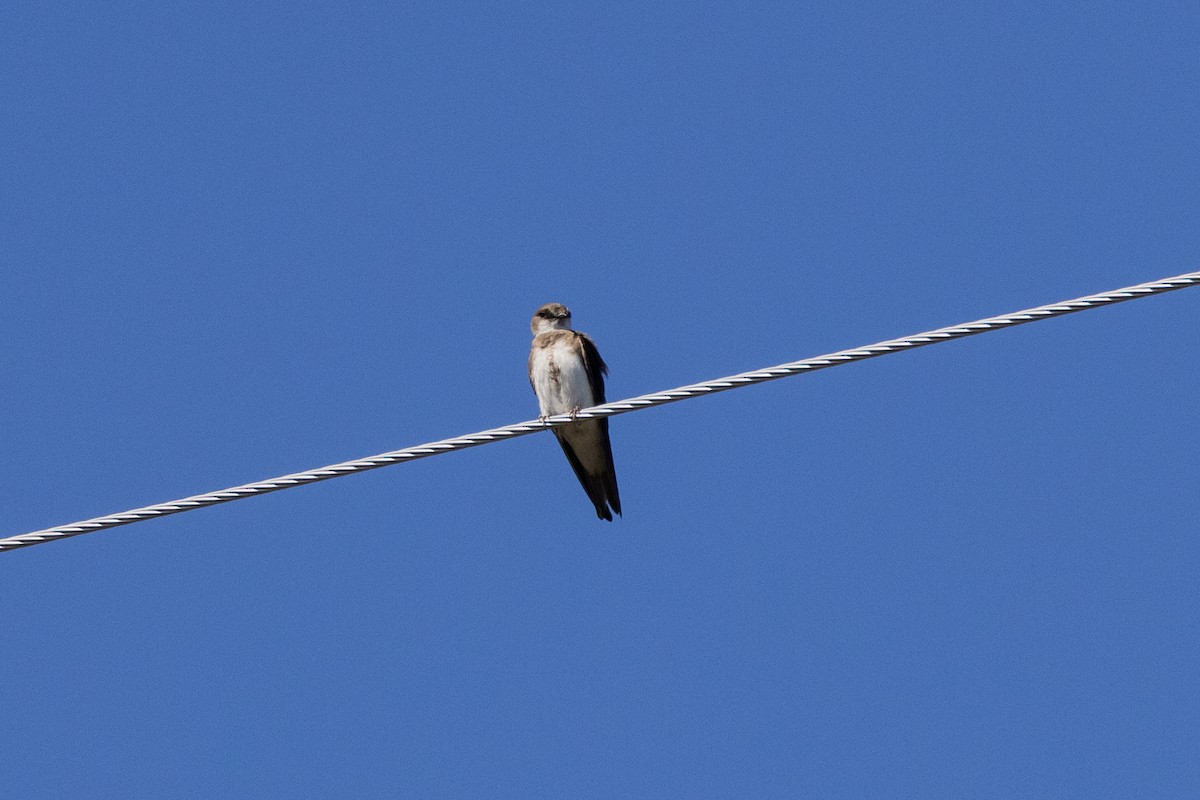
[[567, 374]]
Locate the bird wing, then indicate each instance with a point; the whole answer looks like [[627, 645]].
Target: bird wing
[[595, 366], [596, 370]]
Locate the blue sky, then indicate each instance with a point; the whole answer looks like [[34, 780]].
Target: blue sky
[[244, 240]]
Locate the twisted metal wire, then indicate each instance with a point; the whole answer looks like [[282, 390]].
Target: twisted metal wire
[[606, 410]]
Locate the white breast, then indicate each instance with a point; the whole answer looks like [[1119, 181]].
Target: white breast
[[560, 379]]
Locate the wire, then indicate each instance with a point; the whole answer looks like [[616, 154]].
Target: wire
[[606, 410]]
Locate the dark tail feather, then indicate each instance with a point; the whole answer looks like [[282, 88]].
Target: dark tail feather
[[601, 507], [601, 490], [614, 499], [609, 479]]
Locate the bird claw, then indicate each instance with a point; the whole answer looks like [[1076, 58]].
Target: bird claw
[[573, 413]]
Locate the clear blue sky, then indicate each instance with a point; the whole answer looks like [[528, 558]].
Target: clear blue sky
[[243, 240]]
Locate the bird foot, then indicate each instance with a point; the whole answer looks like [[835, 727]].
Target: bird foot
[[542, 418], [574, 412]]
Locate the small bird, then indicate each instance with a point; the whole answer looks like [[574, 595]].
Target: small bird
[[567, 374]]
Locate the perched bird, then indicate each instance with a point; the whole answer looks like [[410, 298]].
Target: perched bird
[[567, 374]]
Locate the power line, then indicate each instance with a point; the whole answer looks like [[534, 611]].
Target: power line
[[606, 410]]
